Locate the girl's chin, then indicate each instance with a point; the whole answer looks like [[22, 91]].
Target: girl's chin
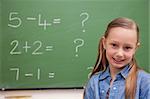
[[117, 66]]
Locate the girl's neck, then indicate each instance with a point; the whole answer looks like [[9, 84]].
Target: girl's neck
[[114, 72]]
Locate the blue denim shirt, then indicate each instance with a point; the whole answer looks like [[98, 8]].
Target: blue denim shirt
[[99, 84]]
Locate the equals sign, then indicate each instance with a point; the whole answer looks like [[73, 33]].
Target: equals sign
[[51, 75], [55, 21], [49, 48], [28, 75]]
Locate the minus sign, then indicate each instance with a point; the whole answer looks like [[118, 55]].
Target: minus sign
[[29, 18], [28, 74]]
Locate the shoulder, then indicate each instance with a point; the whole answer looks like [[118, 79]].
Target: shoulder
[[144, 83], [94, 79], [91, 88], [144, 76]]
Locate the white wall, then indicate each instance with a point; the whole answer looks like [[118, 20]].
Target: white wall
[[45, 94]]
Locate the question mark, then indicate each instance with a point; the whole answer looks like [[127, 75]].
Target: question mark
[[77, 47], [89, 68], [84, 20]]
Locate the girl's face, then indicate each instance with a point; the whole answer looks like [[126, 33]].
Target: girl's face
[[120, 46]]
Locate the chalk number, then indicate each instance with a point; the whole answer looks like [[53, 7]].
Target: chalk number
[[14, 20], [15, 44]]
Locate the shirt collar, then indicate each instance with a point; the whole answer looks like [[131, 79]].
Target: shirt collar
[[124, 72], [105, 74]]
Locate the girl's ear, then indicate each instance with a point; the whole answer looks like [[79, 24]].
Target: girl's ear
[[138, 45], [104, 42]]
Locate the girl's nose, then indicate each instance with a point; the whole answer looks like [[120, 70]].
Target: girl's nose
[[119, 53]]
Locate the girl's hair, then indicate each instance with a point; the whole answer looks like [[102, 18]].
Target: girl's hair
[[100, 65]]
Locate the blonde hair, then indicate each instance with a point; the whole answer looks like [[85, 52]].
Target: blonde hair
[[100, 65]]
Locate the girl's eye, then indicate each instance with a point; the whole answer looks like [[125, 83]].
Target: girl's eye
[[128, 48], [113, 44]]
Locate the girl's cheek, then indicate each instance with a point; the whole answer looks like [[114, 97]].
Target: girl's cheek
[[129, 55], [111, 51]]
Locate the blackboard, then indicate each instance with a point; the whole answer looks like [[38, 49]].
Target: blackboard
[[53, 43]]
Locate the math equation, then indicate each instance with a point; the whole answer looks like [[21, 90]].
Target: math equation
[[26, 46], [15, 21], [36, 75]]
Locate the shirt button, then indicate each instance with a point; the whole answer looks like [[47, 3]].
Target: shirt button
[[114, 88], [102, 91]]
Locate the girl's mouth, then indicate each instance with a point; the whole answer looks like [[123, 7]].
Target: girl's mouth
[[118, 61]]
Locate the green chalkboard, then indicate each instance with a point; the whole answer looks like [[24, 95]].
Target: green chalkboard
[[0, 44], [53, 43], [149, 31]]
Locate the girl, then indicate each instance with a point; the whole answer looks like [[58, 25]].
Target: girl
[[116, 74]]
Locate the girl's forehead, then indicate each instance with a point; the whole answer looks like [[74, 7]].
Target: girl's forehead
[[122, 35]]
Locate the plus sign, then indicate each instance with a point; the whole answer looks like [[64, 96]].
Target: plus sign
[[26, 47]]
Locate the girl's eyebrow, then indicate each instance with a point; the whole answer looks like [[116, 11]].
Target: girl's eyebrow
[[114, 41], [126, 44]]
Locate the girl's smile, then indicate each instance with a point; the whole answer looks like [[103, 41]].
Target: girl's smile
[[118, 61]]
